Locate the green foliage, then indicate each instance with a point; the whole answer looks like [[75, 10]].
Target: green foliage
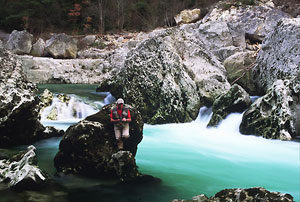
[[99, 44]]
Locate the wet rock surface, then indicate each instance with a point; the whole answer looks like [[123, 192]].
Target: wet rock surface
[[21, 171], [89, 148], [276, 114], [21, 179], [235, 100], [249, 194]]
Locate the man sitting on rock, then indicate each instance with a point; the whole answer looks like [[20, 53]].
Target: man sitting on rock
[[120, 116]]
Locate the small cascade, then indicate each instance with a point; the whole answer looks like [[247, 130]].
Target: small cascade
[[70, 108], [109, 99]]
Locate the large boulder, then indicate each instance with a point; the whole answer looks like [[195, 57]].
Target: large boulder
[[61, 46], [249, 194], [21, 171], [38, 48], [256, 20], [89, 147], [188, 16], [235, 100], [279, 57], [20, 42], [230, 24], [168, 77], [276, 115], [238, 67], [21, 179], [222, 38], [19, 106], [86, 41]]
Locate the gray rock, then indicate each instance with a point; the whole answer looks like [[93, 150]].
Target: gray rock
[[86, 41], [61, 46], [46, 98], [20, 42], [125, 166], [19, 107], [250, 194], [256, 21], [168, 77], [22, 172], [235, 100], [38, 48], [279, 57], [238, 67], [89, 148], [218, 35], [49, 70], [276, 114], [188, 16]]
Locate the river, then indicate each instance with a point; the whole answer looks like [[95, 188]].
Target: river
[[189, 158]]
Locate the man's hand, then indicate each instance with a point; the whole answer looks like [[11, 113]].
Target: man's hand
[[115, 120], [124, 119]]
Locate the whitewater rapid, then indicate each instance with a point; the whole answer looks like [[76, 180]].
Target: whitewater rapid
[[192, 159]]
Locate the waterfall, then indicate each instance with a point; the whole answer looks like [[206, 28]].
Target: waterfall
[[74, 108]]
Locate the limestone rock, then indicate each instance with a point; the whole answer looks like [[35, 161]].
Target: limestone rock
[[188, 16], [46, 98], [166, 77], [20, 42], [89, 147], [256, 21], [22, 172], [87, 71], [249, 194], [86, 41], [125, 166], [61, 46], [279, 56], [19, 107], [276, 114], [252, 194], [235, 100], [222, 38], [38, 48], [238, 67]]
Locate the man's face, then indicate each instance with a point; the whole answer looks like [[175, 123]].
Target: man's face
[[120, 105]]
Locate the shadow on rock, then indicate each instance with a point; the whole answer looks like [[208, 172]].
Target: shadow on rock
[[89, 148]]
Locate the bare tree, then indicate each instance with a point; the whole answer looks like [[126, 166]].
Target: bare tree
[[120, 14]]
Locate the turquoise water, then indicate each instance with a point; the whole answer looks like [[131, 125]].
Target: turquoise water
[[193, 160], [190, 159]]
